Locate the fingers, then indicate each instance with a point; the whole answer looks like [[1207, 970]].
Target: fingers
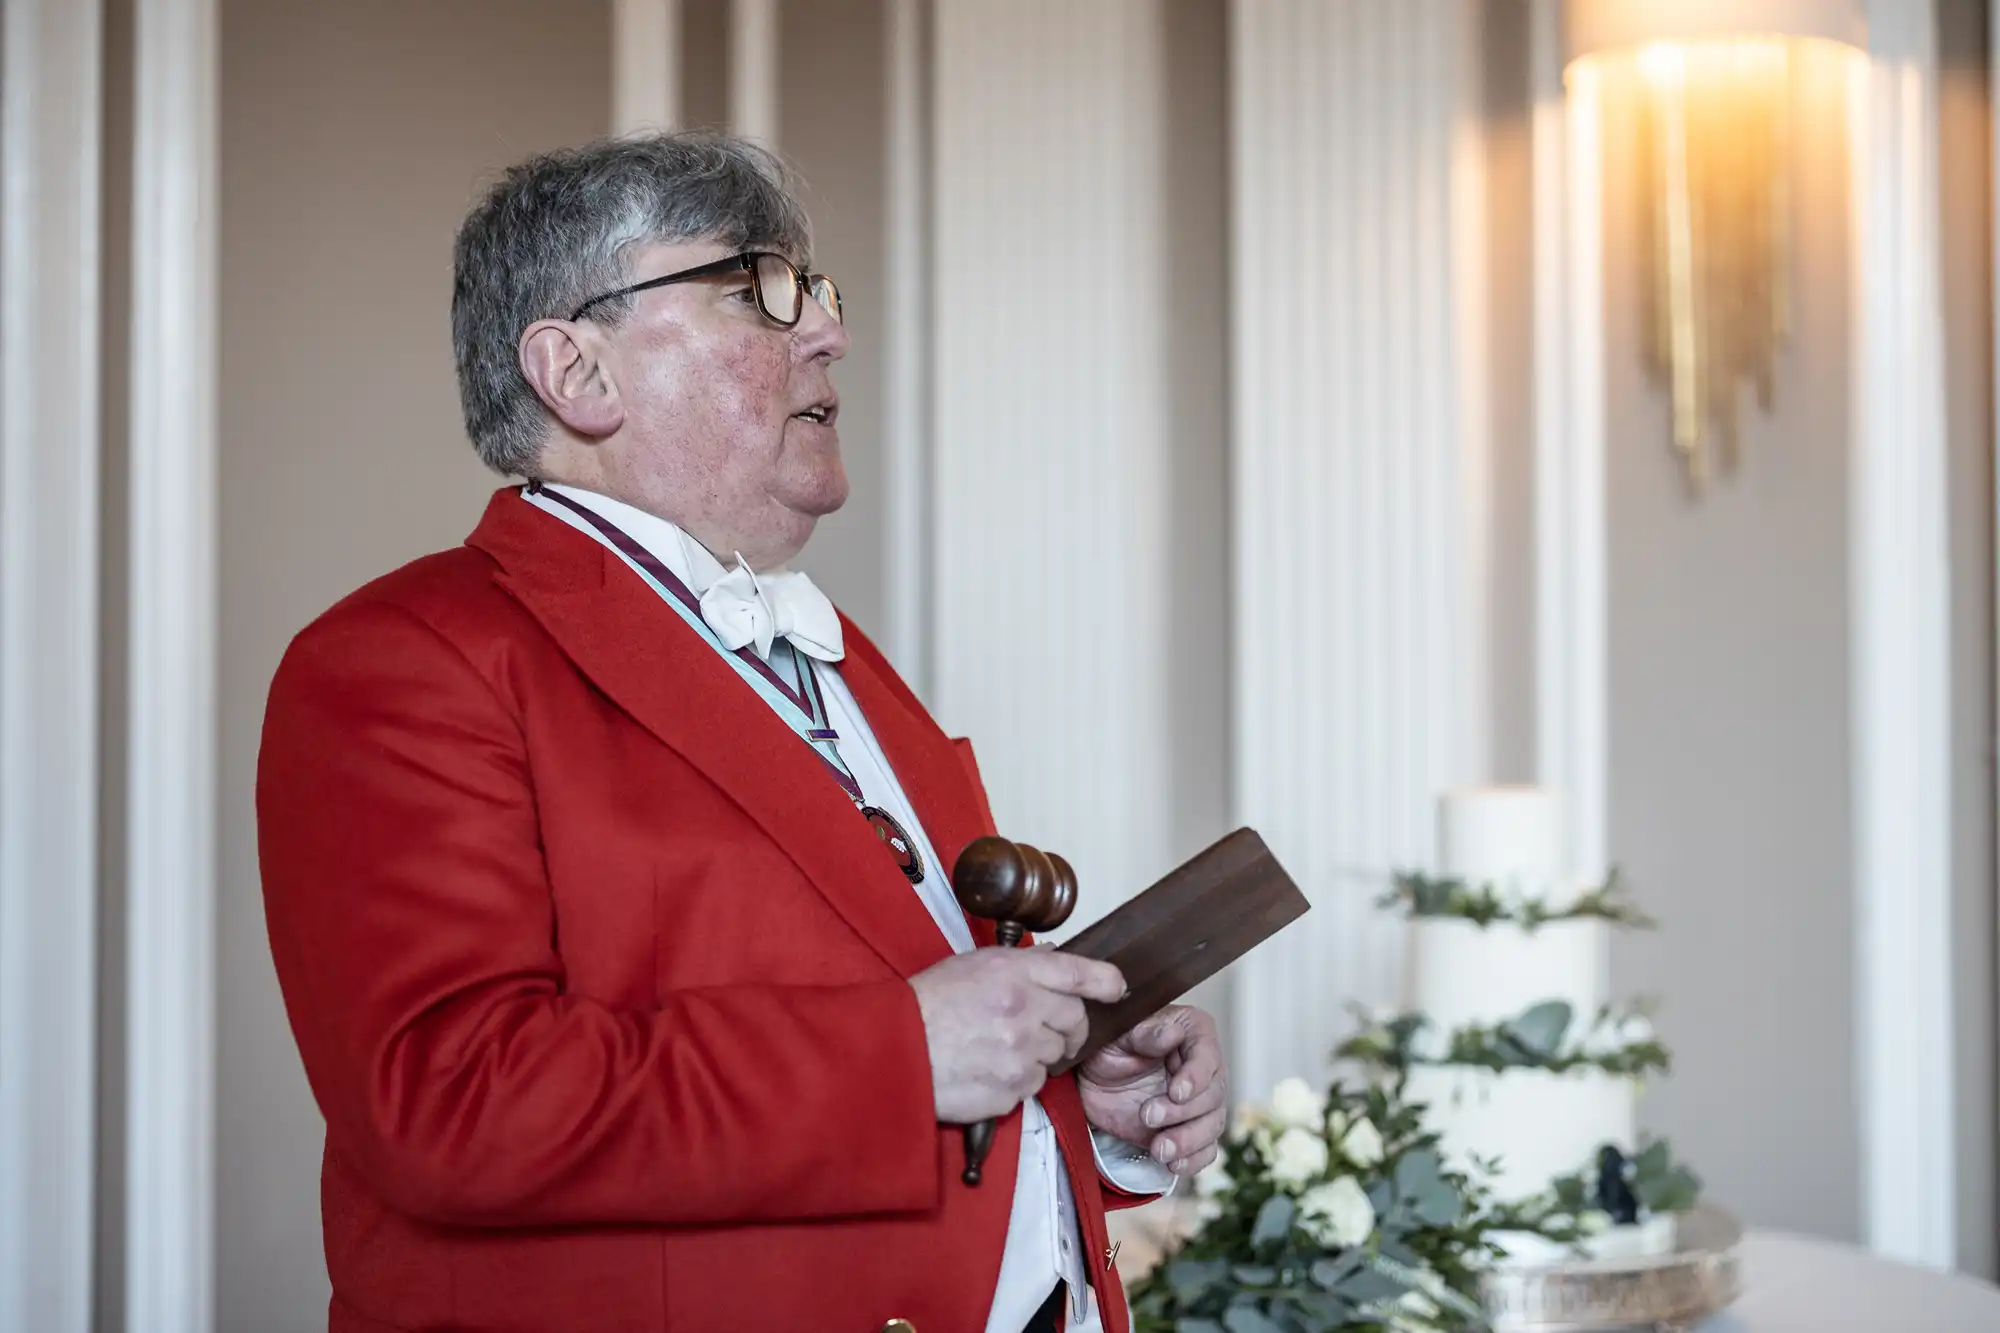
[[1187, 1148], [1166, 1033], [1200, 1056], [1165, 1112], [1068, 974], [1045, 1046], [1070, 1021], [1195, 1165], [1184, 1040]]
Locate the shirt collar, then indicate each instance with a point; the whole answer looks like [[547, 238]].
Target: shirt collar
[[690, 561]]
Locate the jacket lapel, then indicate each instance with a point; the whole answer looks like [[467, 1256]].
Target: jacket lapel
[[660, 672]]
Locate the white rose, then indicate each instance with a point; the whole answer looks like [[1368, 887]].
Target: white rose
[[1430, 1044], [1294, 1105], [1634, 1030], [1249, 1116], [1362, 1144], [1413, 1311], [1593, 1223], [1297, 1157], [1337, 1214], [1417, 1304], [1207, 1210]]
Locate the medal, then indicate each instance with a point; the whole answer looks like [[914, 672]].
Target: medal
[[887, 827], [908, 859]]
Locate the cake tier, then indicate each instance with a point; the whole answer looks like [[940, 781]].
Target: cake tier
[[1538, 1126], [1524, 1249], [1509, 837], [1461, 973]]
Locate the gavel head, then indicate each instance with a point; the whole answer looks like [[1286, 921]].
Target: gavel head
[[999, 880]]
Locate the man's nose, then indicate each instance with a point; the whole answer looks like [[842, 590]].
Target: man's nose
[[819, 334]]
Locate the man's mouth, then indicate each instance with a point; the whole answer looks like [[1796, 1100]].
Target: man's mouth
[[819, 414]]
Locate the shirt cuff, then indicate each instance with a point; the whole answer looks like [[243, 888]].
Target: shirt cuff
[[1128, 1167]]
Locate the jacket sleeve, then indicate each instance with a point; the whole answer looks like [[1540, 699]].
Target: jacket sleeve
[[412, 924]]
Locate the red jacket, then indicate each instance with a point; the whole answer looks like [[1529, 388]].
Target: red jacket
[[599, 978]]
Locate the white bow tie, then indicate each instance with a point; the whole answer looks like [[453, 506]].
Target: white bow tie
[[744, 607]]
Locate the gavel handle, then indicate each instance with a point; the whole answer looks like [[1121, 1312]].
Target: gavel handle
[[979, 1136], [978, 1142]]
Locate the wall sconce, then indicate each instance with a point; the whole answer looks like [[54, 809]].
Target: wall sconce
[[1713, 82]]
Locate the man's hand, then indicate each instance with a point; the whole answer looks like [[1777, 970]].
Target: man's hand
[[996, 1019], [1162, 1086]]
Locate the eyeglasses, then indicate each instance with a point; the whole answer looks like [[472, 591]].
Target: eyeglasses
[[780, 287]]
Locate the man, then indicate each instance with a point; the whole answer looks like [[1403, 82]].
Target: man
[[606, 865]]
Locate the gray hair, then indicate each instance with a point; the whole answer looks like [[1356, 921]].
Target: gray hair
[[555, 231]]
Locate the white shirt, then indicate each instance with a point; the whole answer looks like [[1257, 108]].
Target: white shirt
[[1044, 1243]]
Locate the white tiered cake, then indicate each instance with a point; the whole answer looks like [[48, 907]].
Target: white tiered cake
[[1537, 1124]]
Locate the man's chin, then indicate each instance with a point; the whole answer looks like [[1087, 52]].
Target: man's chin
[[824, 496]]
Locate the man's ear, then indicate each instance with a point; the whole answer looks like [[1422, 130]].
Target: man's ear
[[565, 363]]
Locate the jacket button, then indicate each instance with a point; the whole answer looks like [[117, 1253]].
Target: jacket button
[[899, 1326]]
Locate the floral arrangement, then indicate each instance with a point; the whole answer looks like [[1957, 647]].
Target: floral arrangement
[[1614, 1189], [1483, 904], [1544, 1036], [1327, 1212]]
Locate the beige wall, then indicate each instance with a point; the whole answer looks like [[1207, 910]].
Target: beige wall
[[1729, 727], [832, 120], [1729, 679], [353, 136], [1195, 262]]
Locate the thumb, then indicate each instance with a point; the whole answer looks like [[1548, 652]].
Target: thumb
[[1158, 1034], [1070, 974]]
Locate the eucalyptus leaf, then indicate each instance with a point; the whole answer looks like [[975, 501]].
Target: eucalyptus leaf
[[1675, 1192], [1541, 1028], [1190, 1324], [1654, 1161], [1419, 1173], [1330, 1310], [1367, 1285], [1382, 1196], [1433, 896], [1274, 1220], [1254, 1275], [1398, 1253], [1191, 1278], [1249, 1319], [1439, 1206], [1330, 1273]]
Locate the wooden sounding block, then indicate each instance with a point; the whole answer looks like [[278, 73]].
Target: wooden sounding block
[[1198, 920]]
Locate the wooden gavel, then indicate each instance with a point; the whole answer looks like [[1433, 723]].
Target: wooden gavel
[[1021, 888]]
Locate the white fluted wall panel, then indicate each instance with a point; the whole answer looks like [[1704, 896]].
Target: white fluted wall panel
[[1357, 451], [1050, 460], [1901, 635], [170, 872], [1572, 555], [50, 158]]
